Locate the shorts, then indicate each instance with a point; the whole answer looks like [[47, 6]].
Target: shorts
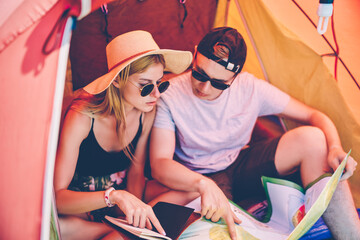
[[242, 179]]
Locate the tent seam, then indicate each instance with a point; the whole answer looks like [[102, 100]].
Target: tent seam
[[251, 40], [281, 120]]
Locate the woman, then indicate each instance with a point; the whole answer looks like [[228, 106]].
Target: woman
[[103, 142]]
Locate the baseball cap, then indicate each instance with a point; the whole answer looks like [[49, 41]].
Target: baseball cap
[[230, 38]]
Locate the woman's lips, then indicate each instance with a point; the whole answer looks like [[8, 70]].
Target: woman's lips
[[151, 103]]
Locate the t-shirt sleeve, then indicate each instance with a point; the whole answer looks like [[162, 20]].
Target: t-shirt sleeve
[[273, 100], [163, 117]]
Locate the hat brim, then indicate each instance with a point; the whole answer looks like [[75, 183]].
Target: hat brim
[[175, 62]]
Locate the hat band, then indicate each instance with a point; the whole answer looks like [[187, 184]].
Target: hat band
[[126, 59]]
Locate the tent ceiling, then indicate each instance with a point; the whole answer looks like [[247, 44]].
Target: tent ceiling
[[347, 26]]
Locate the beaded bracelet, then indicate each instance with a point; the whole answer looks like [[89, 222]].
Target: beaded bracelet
[[106, 197]]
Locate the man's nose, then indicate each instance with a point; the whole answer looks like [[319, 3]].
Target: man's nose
[[205, 86]]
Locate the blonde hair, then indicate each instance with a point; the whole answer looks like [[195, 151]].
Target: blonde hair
[[111, 101]]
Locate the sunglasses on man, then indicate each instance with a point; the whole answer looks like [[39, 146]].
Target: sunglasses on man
[[216, 83], [148, 88]]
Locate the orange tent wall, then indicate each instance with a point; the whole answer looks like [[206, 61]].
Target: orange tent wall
[[293, 66], [347, 31]]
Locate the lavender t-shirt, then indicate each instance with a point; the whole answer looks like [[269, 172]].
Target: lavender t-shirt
[[210, 134]]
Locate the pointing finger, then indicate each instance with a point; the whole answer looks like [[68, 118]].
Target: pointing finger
[[231, 226], [156, 223]]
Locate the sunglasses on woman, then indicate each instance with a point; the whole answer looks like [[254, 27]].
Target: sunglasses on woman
[[148, 88], [216, 83]]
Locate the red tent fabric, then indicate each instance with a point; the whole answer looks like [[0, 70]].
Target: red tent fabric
[[173, 25], [32, 85]]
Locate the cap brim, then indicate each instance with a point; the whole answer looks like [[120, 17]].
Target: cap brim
[[175, 61]]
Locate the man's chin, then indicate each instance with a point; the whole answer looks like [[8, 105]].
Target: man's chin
[[200, 94]]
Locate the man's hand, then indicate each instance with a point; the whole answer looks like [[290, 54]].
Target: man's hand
[[335, 156], [215, 205]]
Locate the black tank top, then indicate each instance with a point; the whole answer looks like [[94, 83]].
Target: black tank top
[[94, 161]]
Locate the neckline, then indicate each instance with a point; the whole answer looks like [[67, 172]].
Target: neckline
[[132, 143]]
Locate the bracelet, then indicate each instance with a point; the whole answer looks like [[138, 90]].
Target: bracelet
[[106, 197]]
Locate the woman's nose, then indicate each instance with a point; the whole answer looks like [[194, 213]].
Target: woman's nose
[[155, 93]]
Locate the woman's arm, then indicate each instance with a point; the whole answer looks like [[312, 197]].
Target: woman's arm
[[75, 129]]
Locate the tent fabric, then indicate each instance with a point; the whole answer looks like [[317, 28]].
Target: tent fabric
[[27, 90], [346, 24], [21, 15], [28, 82], [163, 21], [296, 69], [288, 64]]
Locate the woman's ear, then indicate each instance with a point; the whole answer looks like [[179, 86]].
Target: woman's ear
[[115, 83]]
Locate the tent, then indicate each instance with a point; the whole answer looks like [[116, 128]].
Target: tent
[[34, 50], [35, 36]]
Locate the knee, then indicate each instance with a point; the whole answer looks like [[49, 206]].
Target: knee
[[73, 227], [308, 142], [69, 220], [311, 139]]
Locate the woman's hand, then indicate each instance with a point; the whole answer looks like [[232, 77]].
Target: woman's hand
[[137, 212]]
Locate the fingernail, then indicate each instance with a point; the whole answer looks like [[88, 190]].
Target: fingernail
[[164, 233]]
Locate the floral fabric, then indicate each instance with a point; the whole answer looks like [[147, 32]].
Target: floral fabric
[[89, 183]]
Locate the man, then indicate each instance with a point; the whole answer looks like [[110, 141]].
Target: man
[[205, 120]]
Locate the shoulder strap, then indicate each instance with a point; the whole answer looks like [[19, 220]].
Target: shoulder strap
[[141, 118], [92, 124]]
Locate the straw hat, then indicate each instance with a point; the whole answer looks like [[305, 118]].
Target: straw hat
[[127, 48]]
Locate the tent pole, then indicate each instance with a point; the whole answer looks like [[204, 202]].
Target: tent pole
[[54, 130], [226, 13], [283, 125]]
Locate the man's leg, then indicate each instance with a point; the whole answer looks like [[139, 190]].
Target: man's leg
[[305, 149], [302, 149], [245, 173], [341, 216]]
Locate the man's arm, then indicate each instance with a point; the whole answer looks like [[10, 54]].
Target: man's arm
[[163, 168], [307, 115], [214, 203]]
